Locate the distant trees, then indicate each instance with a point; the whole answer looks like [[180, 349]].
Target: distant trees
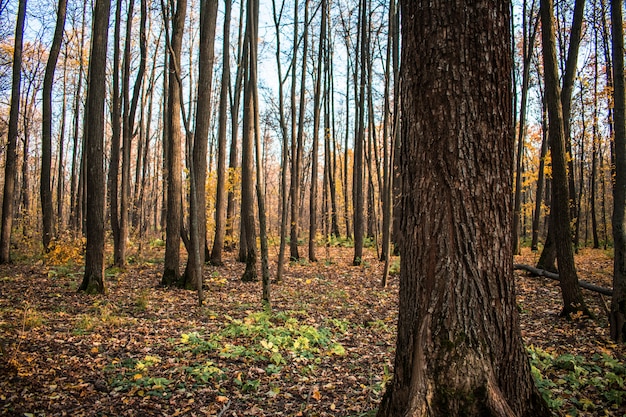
[[328, 159]]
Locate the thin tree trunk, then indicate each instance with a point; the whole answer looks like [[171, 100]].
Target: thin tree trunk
[[540, 179], [573, 302], [220, 199], [359, 140], [596, 145], [116, 132], [528, 43], [11, 150], [195, 262], [46, 136], [233, 163], [61, 157], [247, 148], [171, 274], [284, 213], [316, 127], [93, 279], [74, 201], [569, 75], [297, 147]]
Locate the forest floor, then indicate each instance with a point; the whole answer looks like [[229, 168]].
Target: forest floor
[[326, 349]]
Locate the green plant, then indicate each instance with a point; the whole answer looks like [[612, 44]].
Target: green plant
[[564, 380]]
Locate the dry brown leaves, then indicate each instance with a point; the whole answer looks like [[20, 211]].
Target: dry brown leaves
[[142, 350]]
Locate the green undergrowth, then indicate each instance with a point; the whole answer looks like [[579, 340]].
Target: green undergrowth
[[567, 382], [263, 340]]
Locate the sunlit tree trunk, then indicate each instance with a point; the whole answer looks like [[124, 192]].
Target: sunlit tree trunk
[[60, 221]]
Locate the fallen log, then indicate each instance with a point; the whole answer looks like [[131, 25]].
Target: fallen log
[[583, 284]]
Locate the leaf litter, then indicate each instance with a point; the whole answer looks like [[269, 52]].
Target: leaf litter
[[325, 349]]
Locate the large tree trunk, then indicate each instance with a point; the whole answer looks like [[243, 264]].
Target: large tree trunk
[[46, 137], [560, 211], [93, 279], [11, 150], [617, 316], [459, 349]]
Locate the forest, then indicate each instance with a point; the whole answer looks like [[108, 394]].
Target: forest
[[312, 208]]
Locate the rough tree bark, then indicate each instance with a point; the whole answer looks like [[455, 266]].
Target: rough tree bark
[[93, 279], [617, 316], [459, 348]]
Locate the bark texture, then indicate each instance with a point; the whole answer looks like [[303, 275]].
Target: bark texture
[[459, 349], [618, 302], [93, 279]]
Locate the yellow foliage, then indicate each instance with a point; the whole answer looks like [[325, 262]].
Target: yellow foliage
[[65, 250]]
